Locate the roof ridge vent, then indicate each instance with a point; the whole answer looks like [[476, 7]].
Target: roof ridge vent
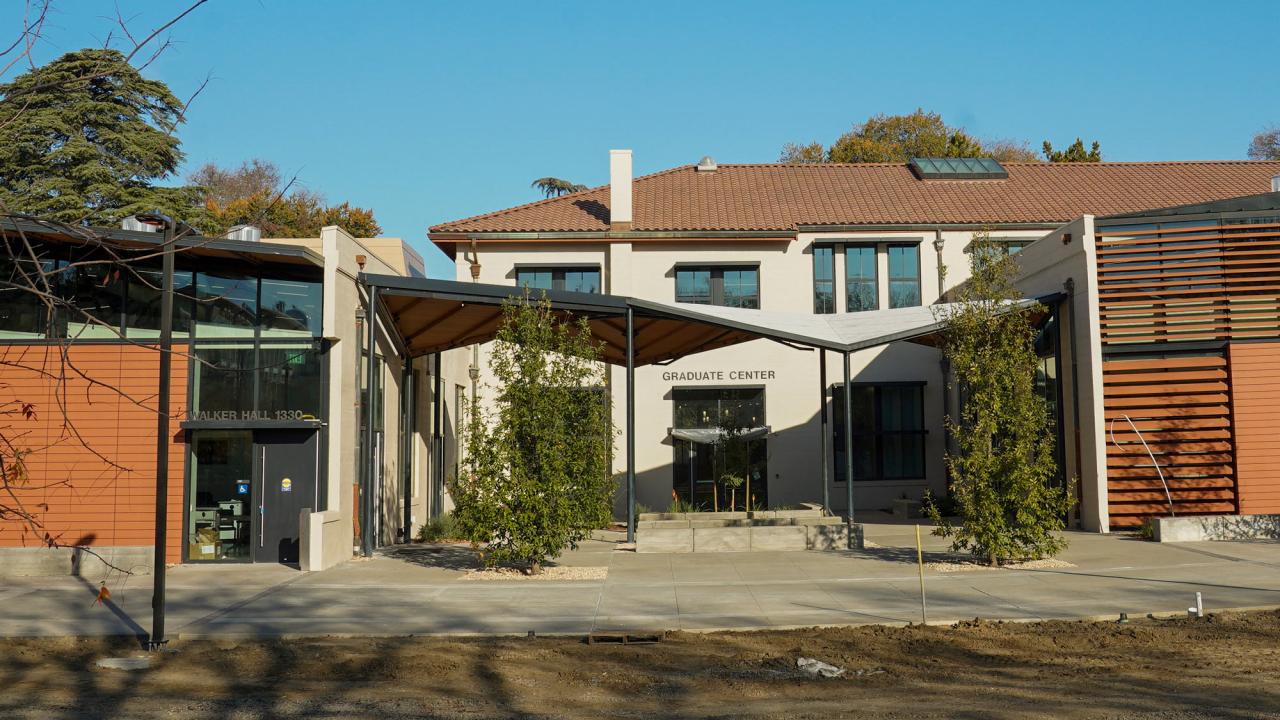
[[707, 164]]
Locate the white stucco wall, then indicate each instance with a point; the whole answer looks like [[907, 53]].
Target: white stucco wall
[[1069, 254], [646, 269]]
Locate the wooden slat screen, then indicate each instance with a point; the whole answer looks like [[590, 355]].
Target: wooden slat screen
[[1161, 287], [1190, 283], [1181, 406]]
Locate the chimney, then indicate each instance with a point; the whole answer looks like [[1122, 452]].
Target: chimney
[[1275, 183], [620, 190]]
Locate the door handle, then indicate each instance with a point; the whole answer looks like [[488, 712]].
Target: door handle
[[262, 501]]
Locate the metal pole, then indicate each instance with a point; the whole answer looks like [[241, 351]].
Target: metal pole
[[631, 426], [437, 440], [848, 446], [924, 612], [162, 441], [409, 396], [826, 452], [366, 495]]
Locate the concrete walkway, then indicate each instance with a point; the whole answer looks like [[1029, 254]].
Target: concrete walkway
[[420, 590]]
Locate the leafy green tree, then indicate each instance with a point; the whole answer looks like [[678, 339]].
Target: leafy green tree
[[1075, 152], [1266, 145], [84, 139], [890, 138], [256, 194], [536, 475], [1003, 471], [555, 187]]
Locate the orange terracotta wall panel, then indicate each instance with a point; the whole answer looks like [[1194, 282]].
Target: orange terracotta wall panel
[[92, 458], [1255, 380]]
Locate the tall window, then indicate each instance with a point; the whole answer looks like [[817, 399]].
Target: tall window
[[860, 278], [888, 431], [728, 286], [904, 276], [824, 270], [573, 279]]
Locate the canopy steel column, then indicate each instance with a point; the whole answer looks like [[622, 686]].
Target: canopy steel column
[[848, 444], [822, 431], [408, 416], [437, 440], [157, 638], [370, 406], [631, 426]]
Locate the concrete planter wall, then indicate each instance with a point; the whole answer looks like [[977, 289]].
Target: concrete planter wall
[[765, 530]]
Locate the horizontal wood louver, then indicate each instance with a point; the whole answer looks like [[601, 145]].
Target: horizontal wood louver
[[1181, 407], [1190, 283], [1174, 298]]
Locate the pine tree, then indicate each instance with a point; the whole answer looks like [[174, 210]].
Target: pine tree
[[1003, 469], [83, 139], [536, 476]]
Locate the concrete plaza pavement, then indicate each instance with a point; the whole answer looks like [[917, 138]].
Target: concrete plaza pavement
[[421, 590]]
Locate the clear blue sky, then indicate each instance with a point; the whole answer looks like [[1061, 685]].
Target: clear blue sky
[[432, 111]]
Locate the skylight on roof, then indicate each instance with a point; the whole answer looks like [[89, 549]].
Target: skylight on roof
[[958, 169]]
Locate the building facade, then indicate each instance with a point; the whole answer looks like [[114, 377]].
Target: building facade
[[817, 239], [266, 404]]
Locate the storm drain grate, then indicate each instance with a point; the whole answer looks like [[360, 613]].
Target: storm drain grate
[[623, 638]]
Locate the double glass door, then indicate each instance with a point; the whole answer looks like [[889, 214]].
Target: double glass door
[[245, 491], [721, 454]]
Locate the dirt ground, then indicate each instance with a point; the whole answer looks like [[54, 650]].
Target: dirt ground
[[1223, 666]]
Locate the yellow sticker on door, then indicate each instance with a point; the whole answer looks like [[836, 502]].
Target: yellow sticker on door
[[286, 485]]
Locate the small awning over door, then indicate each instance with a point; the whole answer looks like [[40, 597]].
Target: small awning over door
[[710, 436]]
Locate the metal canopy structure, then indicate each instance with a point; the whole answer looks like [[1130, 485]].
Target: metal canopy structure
[[426, 317]]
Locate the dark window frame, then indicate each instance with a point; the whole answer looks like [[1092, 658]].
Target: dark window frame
[[837, 427], [716, 294], [558, 273], [185, 305], [890, 279], [829, 306], [874, 247]]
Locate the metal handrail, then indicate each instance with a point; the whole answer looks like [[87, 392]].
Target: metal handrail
[[1111, 429]]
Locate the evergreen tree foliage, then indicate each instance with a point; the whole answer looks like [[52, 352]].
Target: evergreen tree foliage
[[536, 475], [1003, 469], [85, 137], [555, 187], [1075, 152]]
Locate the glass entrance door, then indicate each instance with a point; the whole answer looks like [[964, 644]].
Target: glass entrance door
[[721, 452], [220, 496]]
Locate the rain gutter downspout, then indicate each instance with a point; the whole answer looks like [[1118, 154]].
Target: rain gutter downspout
[[474, 371]]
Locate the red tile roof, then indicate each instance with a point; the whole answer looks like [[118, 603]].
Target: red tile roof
[[785, 197]]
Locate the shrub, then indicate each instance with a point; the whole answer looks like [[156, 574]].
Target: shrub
[[537, 474], [1003, 471], [439, 528]]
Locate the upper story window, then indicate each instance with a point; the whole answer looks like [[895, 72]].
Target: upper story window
[[102, 299], [861, 284], [904, 276], [728, 286], [824, 270], [572, 279]]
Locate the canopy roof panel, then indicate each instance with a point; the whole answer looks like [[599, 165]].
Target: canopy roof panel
[[436, 315]]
